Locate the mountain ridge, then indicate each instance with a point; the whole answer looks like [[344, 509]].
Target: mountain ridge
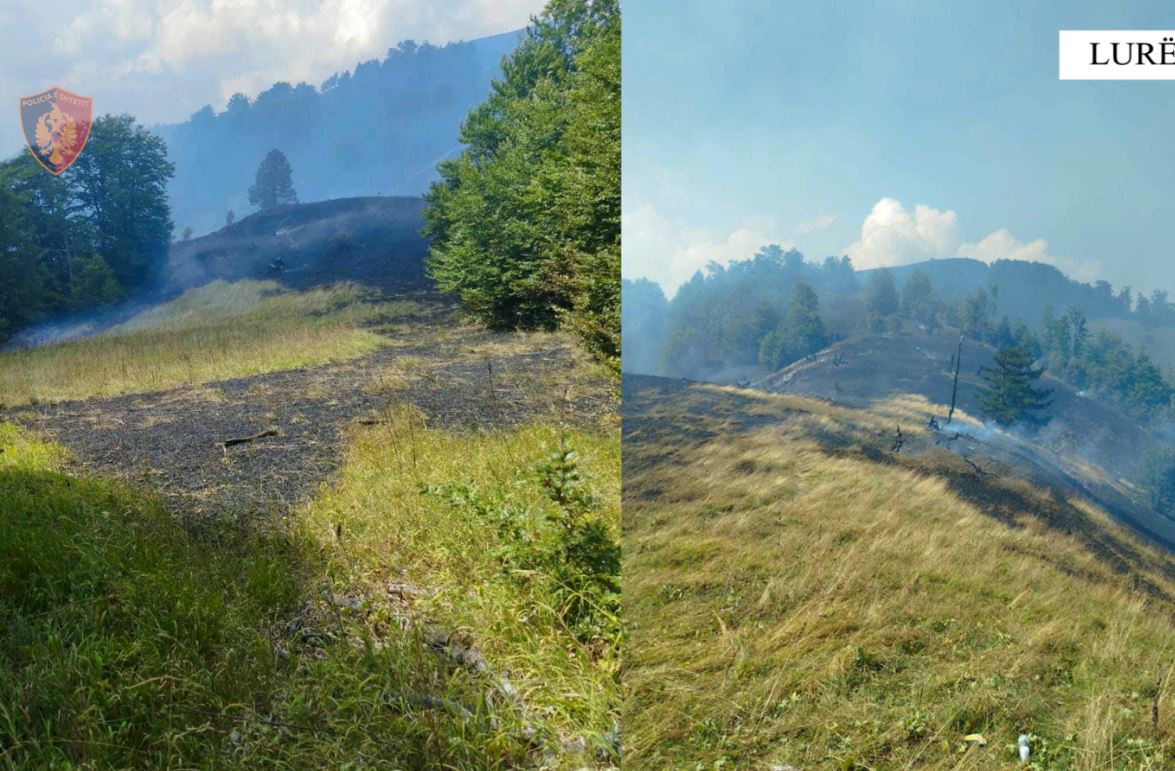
[[378, 129]]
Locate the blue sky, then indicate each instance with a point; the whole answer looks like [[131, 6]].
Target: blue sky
[[892, 131], [161, 60]]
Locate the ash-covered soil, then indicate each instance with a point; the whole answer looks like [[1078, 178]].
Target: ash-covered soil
[[459, 378]]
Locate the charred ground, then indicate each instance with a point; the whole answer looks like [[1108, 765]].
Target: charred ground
[[460, 377]]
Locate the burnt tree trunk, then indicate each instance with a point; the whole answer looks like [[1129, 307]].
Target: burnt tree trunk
[[955, 385]]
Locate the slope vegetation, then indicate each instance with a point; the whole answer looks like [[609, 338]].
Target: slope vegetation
[[801, 591], [1087, 440], [308, 529], [218, 331]]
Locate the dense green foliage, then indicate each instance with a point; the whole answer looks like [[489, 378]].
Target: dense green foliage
[[273, 185], [799, 334], [569, 543], [1103, 363], [738, 315], [90, 236], [525, 224], [881, 299], [920, 302], [1009, 396]]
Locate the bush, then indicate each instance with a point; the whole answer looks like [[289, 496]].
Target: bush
[[568, 544]]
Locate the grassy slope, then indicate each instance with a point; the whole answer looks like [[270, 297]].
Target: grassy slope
[[215, 332], [795, 595], [128, 641]]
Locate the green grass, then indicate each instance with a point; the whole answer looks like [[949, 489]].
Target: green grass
[[795, 595], [130, 641], [124, 640], [467, 519], [215, 332]]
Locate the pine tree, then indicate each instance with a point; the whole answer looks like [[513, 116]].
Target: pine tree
[[919, 301], [1157, 477], [1010, 396], [881, 299], [800, 334], [805, 330], [273, 185]]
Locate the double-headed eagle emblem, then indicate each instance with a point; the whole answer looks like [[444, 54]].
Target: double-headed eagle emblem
[[56, 134], [56, 126]]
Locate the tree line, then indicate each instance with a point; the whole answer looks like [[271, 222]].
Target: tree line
[[88, 237], [776, 308], [524, 224], [375, 129]]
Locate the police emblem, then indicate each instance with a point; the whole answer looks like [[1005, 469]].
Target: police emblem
[[56, 126]]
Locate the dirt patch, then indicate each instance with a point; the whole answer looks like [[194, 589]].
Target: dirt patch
[[173, 441]]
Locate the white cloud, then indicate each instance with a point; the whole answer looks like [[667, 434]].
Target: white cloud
[[669, 252], [161, 60], [892, 235], [1002, 245]]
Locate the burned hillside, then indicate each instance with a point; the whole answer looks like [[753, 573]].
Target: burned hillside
[[372, 241]]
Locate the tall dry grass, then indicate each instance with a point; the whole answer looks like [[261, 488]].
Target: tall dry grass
[[794, 599], [218, 331]]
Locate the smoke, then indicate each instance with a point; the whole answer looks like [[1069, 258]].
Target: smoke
[[643, 317], [373, 241], [79, 326]]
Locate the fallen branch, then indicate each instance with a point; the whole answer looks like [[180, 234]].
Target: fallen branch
[[227, 443]]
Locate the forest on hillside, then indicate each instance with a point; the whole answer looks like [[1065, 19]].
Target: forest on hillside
[[776, 308], [524, 222], [378, 129]]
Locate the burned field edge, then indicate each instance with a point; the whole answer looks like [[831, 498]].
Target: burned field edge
[[799, 593], [236, 462]]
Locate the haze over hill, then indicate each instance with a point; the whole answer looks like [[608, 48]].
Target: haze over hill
[[1088, 445], [802, 594], [378, 129], [730, 297]]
